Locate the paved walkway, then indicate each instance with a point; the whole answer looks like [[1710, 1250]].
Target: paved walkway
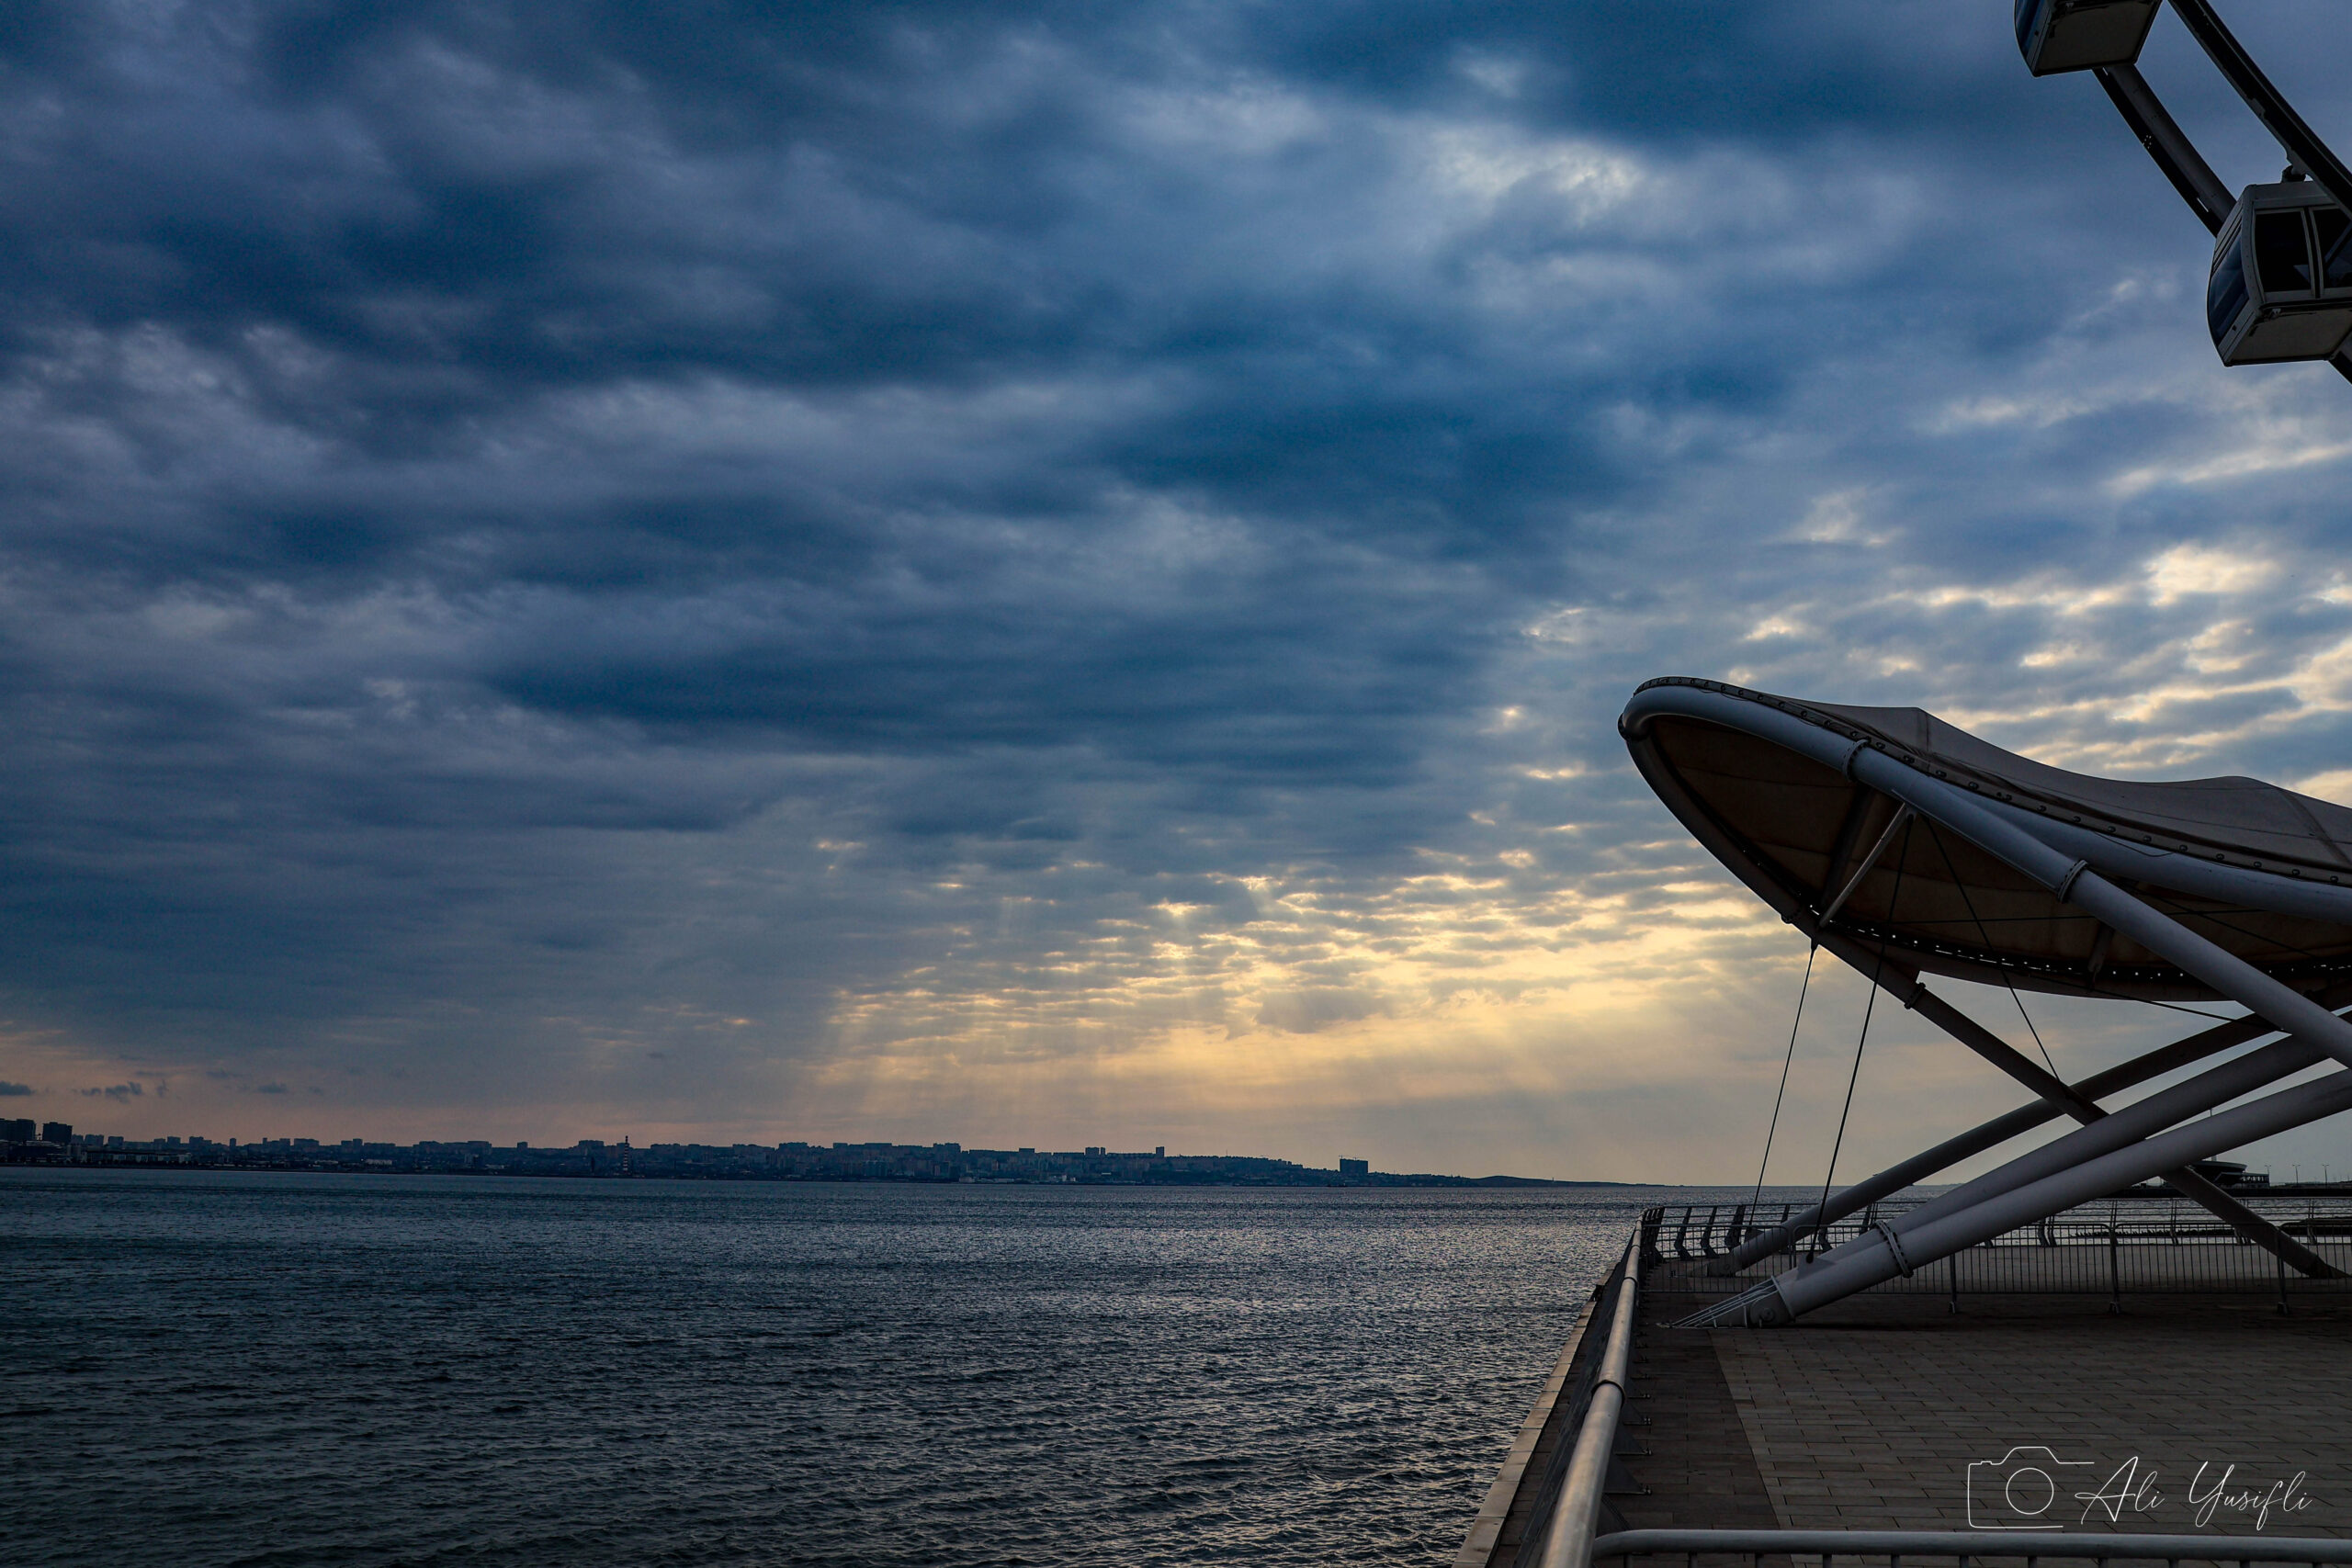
[[1871, 1414], [1698, 1469]]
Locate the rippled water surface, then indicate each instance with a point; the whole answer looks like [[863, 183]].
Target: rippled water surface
[[252, 1368]]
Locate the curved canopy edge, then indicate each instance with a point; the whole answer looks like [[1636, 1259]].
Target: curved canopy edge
[[1767, 785]]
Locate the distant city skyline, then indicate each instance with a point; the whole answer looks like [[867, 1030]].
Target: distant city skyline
[[23, 1130], [791, 1159]]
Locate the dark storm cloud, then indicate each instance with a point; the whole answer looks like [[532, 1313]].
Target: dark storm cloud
[[541, 525]]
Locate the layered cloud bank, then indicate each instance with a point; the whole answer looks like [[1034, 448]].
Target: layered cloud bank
[[1059, 575]]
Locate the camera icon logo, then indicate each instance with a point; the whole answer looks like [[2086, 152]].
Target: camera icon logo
[[2017, 1491]]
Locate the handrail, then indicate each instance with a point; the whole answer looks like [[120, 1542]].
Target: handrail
[[1567, 1536], [2094, 1545]]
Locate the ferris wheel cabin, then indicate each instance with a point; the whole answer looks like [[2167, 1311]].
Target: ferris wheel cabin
[[2076, 35], [2280, 289]]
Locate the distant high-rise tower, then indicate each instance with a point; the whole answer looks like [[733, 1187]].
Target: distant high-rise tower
[[1355, 1168]]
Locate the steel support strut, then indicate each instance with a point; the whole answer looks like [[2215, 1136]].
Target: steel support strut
[[2058, 1098], [2076, 883], [2185, 1181], [1873, 1260], [2112, 1151], [2141, 1119], [1999, 1131], [2063, 1099], [1903, 814]]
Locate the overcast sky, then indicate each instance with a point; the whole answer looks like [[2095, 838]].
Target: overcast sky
[[1056, 575]]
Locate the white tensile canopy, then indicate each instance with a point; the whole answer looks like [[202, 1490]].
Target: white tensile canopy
[[2261, 872], [1910, 848]]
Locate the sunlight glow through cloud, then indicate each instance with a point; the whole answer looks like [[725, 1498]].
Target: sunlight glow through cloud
[[1065, 576]]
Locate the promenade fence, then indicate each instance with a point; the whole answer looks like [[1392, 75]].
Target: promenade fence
[[2118, 1248]]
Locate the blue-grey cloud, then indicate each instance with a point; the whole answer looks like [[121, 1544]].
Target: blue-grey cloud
[[797, 536], [8, 1088]]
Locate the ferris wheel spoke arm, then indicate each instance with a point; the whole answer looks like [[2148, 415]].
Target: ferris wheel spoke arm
[[2270, 106], [2167, 144]]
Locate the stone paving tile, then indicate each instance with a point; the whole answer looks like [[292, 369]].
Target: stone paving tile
[[1700, 1472], [1870, 1415]]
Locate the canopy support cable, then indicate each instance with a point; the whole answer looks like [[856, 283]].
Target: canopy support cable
[[2225, 1036], [2198, 1190], [2000, 960], [1902, 860], [2016, 1191], [2149, 1137], [1812, 952]]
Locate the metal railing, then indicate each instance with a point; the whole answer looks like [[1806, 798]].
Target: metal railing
[[1563, 1538], [1567, 1534], [2120, 1246], [1969, 1546]]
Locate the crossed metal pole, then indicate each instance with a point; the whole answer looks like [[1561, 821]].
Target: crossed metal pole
[[2155, 1135], [2109, 1150]]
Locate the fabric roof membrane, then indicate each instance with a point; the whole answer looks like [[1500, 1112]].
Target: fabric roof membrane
[[1763, 782]]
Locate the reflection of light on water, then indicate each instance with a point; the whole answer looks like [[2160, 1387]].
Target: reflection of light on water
[[794, 1372]]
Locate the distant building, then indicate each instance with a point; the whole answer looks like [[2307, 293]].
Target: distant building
[[58, 1133], [1355, 1168], [17, 1130], [1160, 1151], [1096, 1148]]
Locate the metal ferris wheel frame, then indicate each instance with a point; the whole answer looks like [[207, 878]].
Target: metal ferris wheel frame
[[1908, 849], [2170, 148]]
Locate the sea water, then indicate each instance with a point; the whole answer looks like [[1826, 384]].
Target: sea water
[[262, 1368]]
